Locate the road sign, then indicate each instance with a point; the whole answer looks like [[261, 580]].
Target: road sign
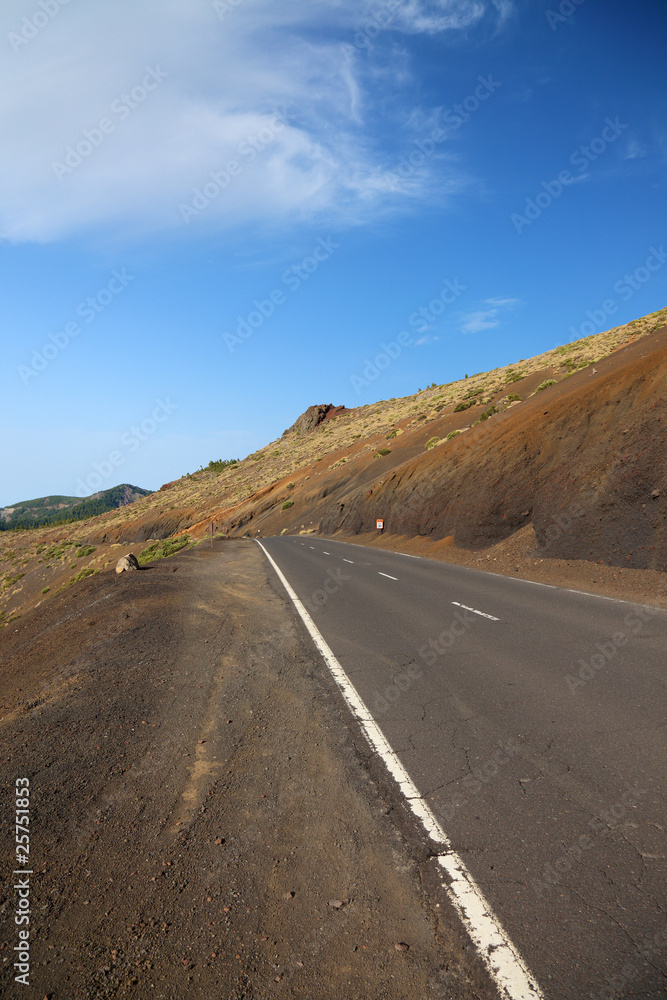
[[379, 524]]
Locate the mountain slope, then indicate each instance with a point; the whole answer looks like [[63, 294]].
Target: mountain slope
[[559, 457]]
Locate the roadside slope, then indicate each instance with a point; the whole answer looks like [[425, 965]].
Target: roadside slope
[[197, 804]]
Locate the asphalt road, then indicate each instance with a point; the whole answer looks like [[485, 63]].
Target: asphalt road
[[532, 720]]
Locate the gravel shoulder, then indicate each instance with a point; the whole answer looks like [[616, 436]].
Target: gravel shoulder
[[204, 820]]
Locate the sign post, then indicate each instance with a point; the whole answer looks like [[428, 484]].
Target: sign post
[[211, 534], [379, 524]]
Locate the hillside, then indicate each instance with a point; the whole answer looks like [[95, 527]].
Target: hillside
[[561, 456], [61, 509]]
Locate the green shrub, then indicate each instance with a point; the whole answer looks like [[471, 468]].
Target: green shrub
[[46, 590], [452, 434], [513, 376], [432, 442], [217, 466], [84, 551], [382, 452], [164, 549], [514, 397], [546, 384], [287, 505], [87, 571], [290, 486], [464, 405], [488, 413], [392, 434]]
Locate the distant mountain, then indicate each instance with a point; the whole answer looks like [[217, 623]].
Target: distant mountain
[[60, 509]]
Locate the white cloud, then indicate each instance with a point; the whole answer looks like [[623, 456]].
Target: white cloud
[[634, 150], [224, 80], [486, 319]]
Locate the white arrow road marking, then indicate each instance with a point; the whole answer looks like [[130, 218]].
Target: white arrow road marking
[[475, 611], [502, 960]]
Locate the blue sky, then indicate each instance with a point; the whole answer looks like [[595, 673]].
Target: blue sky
[[214, 214]]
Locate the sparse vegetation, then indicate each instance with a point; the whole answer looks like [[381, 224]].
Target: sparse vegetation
[[392, 434], [452, 434], [46, 590], [513, 376], [546, 384], [85, 572], [464, 405], [382, 452], [487, 413], [432, 442], [85, 550], [219, 465], [164, 549], [287, 505], [514, 397]]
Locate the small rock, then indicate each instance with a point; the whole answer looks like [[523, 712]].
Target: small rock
[[401, 946], [288, 895], [655, 494], [336, 904], [127, 563]]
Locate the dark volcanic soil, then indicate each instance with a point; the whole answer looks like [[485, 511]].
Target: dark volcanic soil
[[198, 804]]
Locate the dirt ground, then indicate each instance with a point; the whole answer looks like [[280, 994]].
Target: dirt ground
[[204, 821]]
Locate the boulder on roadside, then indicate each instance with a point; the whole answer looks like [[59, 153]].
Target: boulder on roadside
[[127, 563]]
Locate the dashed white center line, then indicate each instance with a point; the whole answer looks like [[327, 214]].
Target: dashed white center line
[[351, 562], [325, 553], [475, 611], [312, 547], [388, 577]]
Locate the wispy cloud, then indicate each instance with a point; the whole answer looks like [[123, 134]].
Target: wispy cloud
[[487, 318], [223, 82], [634, 150]]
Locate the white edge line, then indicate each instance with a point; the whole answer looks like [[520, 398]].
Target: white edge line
[[501, 958]]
